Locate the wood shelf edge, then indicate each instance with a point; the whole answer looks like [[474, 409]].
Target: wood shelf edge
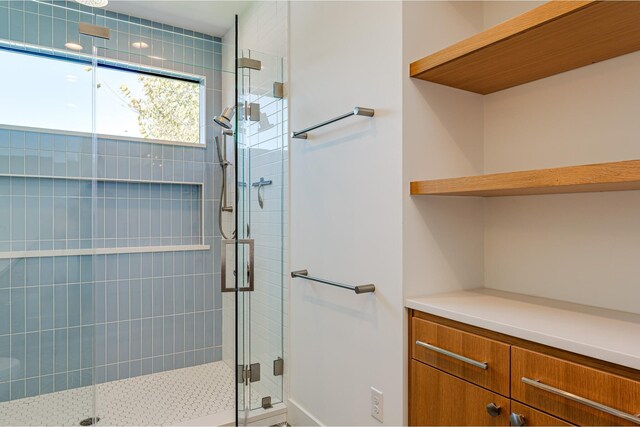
[[612, 176]]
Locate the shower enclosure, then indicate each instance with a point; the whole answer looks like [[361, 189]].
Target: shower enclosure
[[111, 303]]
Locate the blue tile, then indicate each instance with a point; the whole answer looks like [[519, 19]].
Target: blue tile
[[5, 160], [158, 300], [147, 338], [112, 343], [147, 297], [189, 329], [18, 353], [123, 300], [158, 334], [46, 271], [75, 307], [32, 368], [123, 341], [86, 303], [60, 306], [16, 25], [168, 296], [60, 350], [135, 368], [4, 34], [209, 328], [46, 384], [147, 366], [100, 347], [46, 163], [5, 312], [136, 340], [5, 221], [17, 139], [60, 382], [32, 309], [46, 307], [18, 273], [17, 389], [74, 379], [18, 222], [112, 301], [17, 310], [86, 349], [74, 349], [209, 355], [169, 334], [87, 377], [123, 370], [135, 299], [158, 364], [32, 387], [5, 274], [32, 222], [179, 333], [199, 330]]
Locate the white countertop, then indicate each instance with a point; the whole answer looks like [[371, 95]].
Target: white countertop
[[609, 335]]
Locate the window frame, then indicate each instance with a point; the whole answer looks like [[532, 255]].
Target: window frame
[[124, 66]]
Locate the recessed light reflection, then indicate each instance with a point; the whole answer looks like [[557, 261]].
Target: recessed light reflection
[[94, 3], [71, 105], [140, 45], [155, 57], [73, 46], [71, 78]]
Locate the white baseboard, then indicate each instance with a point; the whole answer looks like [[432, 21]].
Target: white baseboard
[[297, 416]]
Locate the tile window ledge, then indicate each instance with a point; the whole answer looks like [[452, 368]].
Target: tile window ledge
[[102, 251]]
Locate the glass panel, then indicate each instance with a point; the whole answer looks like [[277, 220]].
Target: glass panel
[[46, 268], [157, 204], [261, 165]]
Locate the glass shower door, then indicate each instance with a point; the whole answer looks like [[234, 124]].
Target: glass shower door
[[261, 164]]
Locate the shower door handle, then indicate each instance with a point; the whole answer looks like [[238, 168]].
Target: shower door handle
[[225, 244]]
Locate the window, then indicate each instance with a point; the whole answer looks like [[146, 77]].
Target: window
[[44, 92]]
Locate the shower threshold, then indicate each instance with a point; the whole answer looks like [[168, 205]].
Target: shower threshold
[[175, 397]]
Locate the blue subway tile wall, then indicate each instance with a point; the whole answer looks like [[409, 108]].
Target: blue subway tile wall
[[71, 321]]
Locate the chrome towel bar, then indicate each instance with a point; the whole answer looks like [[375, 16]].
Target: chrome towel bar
[[360, 289], [357, 111]]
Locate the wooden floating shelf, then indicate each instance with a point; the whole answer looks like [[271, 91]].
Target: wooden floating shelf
[[553, 38], [616, 176]]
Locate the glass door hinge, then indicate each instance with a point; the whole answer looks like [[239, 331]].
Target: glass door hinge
[[248, 374], [278, 367]]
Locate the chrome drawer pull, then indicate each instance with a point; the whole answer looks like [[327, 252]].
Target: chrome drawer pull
[[582, 400], [456, 356]]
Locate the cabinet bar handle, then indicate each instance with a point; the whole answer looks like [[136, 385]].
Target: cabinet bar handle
[[590, 403], [456, 356]]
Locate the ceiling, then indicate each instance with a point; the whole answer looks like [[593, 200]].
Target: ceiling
[[210, 17]]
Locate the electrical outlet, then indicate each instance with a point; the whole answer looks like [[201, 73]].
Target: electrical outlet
[[377, 405]]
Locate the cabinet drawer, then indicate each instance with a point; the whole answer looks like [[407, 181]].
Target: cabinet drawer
[[484, 362], [440, 399], [526, 416], [570, 391]]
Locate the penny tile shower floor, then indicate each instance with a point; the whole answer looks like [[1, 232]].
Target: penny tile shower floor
[[164, 398]]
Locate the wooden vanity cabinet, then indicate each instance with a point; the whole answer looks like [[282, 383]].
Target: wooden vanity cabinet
[[463, 375]]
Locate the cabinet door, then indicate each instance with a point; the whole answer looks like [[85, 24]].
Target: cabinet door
[[522, 415], [440, 399]]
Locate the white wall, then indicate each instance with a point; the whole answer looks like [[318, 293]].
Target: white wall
[[346, 211], [443, 127], [581, 247]]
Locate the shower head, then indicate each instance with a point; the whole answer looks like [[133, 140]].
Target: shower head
[[224, 119]]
